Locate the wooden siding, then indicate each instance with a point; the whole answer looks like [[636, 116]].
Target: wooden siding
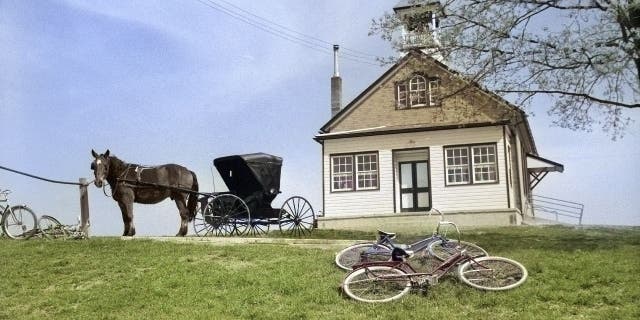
[[446, 198], [461, 103]]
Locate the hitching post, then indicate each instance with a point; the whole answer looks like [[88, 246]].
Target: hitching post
[[84, 207]]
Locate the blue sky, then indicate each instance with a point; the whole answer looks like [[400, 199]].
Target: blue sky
[[178, 81]]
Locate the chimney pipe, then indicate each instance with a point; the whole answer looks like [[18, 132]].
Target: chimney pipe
[[336, 84]]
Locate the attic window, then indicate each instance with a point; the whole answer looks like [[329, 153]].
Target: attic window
[[418, 91]]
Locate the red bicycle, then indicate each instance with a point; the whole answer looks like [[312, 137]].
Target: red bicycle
[[385, 281]]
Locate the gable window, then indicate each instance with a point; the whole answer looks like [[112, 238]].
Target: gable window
[[354, 172], [475, 164], [417, 92]]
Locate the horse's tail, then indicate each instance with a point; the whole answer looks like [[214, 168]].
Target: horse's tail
[[193, 198]]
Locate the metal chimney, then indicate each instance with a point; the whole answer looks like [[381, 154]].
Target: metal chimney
[[336, 84]]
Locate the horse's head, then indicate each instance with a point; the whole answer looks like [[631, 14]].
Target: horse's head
[[100, 167]]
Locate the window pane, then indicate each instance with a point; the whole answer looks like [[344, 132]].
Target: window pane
[[422, 175], [406, 180], [407, 200], [423, 199]]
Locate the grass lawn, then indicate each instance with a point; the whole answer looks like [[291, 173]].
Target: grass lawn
[[573, 274]]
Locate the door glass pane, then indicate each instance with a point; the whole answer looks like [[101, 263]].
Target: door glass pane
[[423, 199], [407, 200], [405, 178], [422, 174]]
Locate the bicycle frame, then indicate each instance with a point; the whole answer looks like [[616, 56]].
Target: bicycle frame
[[431, 277], [387, 241]]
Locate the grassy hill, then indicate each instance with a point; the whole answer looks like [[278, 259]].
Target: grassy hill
[[574, 274]]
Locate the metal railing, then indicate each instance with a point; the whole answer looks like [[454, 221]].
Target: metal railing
[[557, 207]]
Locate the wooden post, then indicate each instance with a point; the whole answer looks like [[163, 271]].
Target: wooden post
[[84, 207]]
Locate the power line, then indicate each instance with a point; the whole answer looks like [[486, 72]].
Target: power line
[[278, 33], [357, 53]]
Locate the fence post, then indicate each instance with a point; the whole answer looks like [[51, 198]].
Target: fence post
[[84, 207]]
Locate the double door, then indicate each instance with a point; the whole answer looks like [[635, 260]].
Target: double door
[[415, 186]]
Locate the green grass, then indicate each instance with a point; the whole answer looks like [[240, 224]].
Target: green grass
[[574, 274]]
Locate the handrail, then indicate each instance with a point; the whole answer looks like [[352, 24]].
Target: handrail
[[557, 207]]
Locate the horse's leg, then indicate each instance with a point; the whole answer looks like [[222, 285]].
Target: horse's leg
[[184, 215], [126, 207]]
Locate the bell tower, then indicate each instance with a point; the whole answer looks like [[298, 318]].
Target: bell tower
[[419, 26]]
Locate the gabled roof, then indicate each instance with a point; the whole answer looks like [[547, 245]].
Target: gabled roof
[[522, 123]]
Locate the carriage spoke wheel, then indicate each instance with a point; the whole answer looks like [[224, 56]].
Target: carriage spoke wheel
[[258, 228], [227, 215], [296, 216], [201, 227]]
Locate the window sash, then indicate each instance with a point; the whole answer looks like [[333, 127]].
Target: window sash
[[354, 172], [417, 92], [484, 164], [471, 164]]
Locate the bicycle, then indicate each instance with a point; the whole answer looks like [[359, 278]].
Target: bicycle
[[17, 221], [50, 228], [389, 280], [437, 245]]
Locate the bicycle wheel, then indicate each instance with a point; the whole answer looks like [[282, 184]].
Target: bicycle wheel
[[444, 249], [376, 284], [19, 222], [492, 273], [51, 228], [362, 252]]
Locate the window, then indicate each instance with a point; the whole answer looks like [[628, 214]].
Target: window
[[471, 164], [342, 174], [417, 92], [360, 168]]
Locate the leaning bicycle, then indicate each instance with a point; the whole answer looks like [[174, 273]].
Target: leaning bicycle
[[438, 245], [17, 221], [385, 281]]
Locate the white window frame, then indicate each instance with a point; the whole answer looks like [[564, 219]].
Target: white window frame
[[342, 172], [486, 162], [417, 92], [364, 168], [457, 169], [481, 165]]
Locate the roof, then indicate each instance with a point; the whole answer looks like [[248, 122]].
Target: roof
[[540, 164], [246, 174], [417, 54]]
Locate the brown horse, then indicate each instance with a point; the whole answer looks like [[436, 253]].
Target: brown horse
[[135, 183]]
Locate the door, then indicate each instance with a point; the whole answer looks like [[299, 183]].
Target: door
[[415, 189]]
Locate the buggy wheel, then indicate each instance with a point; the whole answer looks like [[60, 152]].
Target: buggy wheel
[[51, 228], [19, 222], [296, 216], [258, 228], [200, 227], [227, 215]]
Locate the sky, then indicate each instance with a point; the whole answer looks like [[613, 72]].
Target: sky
[[186, 82]]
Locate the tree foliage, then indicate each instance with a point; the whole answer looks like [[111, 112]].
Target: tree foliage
[[584, 55]]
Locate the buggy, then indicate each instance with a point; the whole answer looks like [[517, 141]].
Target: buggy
[[253, 181]]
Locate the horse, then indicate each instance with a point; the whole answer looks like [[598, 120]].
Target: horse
[[148, 185]]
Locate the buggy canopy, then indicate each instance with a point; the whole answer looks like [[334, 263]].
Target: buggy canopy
[[247, 174]]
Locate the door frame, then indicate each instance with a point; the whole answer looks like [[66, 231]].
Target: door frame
[[404, 155], [414, 190]]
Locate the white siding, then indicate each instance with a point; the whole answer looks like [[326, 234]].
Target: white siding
[[446, 198]]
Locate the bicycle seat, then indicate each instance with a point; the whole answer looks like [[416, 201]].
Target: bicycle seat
[[399, 254], [389, 235]]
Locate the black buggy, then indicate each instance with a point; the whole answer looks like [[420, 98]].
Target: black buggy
[[253, 181]]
